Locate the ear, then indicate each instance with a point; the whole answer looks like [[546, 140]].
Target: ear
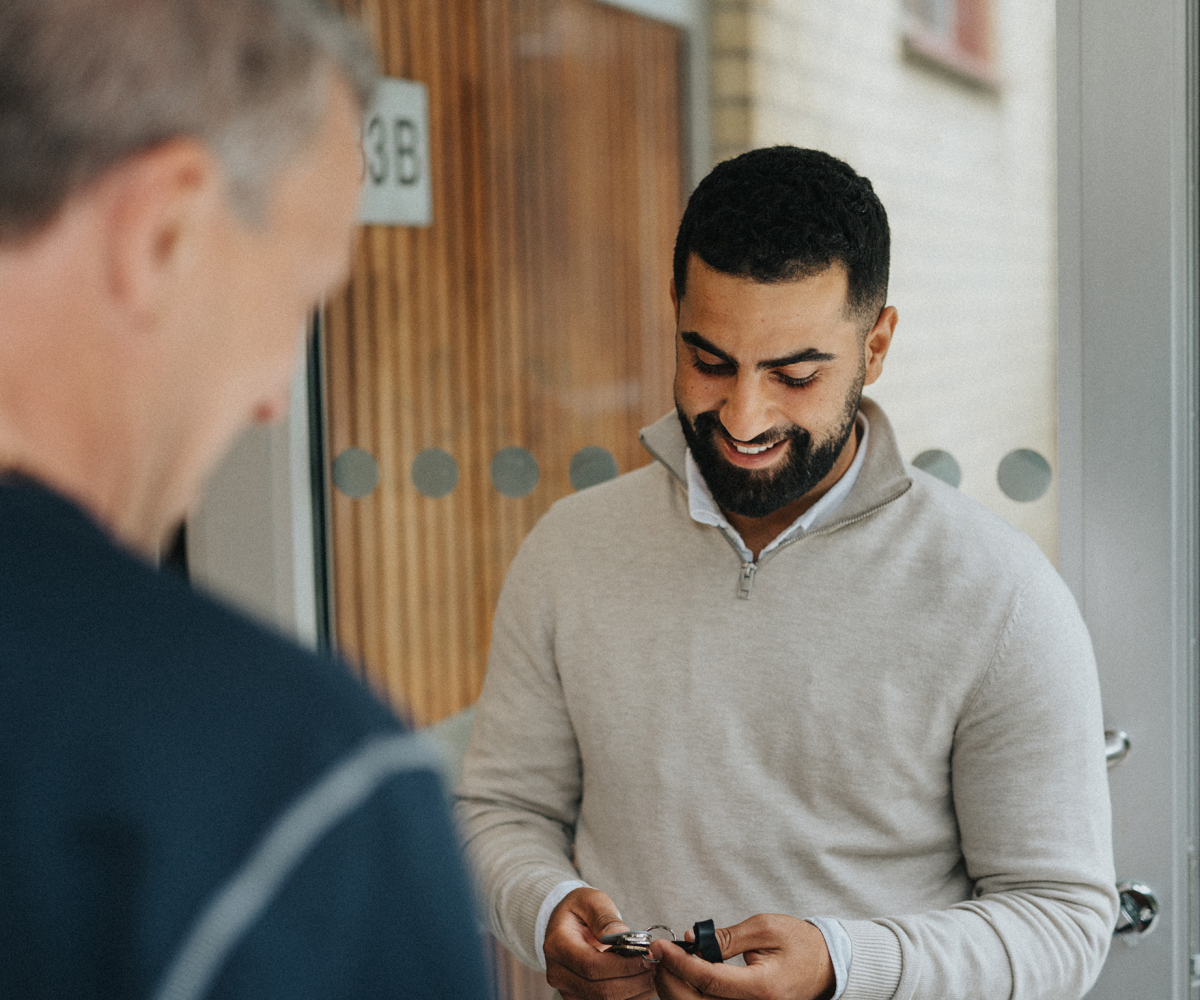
[[675, 301], [162, 203], [877, 342]]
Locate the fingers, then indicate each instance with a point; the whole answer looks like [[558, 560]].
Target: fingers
[[602, 916], [575, 987], [785, 957], [594, 910], [681, 976], [586, 962], [671, 987], [575, 963], [761, 932], [757, 933]]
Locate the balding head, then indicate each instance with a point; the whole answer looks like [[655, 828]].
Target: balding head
[[85, 84]]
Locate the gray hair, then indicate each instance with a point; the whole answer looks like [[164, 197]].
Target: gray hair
[[84, 84]]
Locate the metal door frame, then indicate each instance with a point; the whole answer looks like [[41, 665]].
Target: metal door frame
[[1127, 401]]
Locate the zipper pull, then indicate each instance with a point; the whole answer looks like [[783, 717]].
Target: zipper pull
[[746, 583]]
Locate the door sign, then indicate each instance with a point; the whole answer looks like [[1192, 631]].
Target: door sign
[[396, 189]]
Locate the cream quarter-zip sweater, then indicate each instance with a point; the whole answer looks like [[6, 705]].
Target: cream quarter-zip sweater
[[899, 727]]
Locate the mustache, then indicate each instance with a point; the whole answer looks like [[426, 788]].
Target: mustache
[[710, 423]]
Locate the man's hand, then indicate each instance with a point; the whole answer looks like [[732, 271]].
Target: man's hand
[[786, 959], [575, 965]]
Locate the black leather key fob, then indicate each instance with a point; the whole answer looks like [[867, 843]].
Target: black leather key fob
[[706, 944]]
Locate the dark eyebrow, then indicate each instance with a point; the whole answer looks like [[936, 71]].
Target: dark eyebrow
[[698, 342], [809, 354]]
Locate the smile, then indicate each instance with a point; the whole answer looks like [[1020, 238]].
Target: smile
[[751, 449], [752, 456]]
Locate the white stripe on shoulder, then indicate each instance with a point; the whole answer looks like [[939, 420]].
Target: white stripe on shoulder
[[243, 899]]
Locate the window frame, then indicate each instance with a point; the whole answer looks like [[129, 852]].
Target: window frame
[[943, 46]]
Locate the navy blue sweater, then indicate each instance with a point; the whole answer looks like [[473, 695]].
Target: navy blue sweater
[[150, 740]]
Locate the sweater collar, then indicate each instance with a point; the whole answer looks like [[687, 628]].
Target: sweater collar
[[883, 477]]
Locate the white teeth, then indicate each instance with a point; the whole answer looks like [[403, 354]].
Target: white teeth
[[749, 450]]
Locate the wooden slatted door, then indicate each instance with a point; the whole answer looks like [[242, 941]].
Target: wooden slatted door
[[533, 314], [527, 328]]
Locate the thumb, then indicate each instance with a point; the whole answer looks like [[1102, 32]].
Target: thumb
[[602, 916], [753, 934]]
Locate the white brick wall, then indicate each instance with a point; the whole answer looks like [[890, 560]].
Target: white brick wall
[[967, 177]]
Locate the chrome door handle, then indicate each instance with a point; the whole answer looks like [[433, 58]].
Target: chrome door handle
[[1116, 746], [1138, 912]]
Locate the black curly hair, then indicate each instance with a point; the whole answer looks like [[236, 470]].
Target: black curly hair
[[781, 213]]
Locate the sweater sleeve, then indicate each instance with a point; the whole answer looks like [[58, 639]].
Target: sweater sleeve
[[1030, 790], [518, 800]]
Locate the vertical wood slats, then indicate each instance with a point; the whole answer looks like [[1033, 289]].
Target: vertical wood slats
[[533, 312]]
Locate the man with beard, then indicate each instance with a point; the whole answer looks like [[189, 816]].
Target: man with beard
[[779, 679]]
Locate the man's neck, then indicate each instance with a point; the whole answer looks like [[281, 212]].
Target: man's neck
[[759, 532], [121, 498], [105, 397], [72, 417]]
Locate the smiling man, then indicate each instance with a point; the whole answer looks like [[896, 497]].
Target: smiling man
[[779, 679]]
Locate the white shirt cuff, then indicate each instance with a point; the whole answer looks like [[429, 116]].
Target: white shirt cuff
[[841, 950], [553, 898]]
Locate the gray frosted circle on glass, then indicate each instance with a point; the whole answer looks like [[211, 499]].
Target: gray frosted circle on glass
[[941, 464], [514, 472], [434, 473], [1023, 475], [592, 465], [355, 472]]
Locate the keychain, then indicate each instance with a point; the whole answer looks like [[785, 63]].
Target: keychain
[[636, 944]]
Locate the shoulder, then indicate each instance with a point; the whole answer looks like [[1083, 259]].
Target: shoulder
[[962, 555], [957, 531], [98, 641], [368, 866], [615, 520], [127, 694], [633, 494], [633, 501]]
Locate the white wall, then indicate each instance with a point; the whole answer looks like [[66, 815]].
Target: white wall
[[968, 180]]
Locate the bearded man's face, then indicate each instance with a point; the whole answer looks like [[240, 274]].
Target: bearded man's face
[[768, 379], [759, 492]]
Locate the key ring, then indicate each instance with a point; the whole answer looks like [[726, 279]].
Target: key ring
[[636, 944]]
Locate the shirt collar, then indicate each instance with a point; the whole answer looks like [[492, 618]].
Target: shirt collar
[[704, 509]]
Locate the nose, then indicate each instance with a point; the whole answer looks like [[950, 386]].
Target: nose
[[747, 411]]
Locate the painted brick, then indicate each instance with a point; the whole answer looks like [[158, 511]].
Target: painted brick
[[968, 179]]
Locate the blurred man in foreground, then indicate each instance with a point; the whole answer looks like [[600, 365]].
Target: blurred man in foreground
[[192, 807]]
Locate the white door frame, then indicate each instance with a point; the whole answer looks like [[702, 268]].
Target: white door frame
[[1127, 435]]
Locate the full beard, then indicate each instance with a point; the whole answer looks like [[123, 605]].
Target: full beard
[[757, 493]]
